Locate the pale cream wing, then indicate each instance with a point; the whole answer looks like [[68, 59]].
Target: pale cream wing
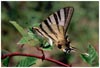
[[56, 25]]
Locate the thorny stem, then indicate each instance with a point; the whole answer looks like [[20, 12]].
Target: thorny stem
[[36, 56]]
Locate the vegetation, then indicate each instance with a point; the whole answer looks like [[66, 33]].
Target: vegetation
[[18, 18]]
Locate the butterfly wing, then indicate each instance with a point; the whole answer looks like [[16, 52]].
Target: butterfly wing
[[56, 25], [68, 12]]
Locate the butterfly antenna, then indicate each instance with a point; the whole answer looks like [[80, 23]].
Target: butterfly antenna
[[76, 50]]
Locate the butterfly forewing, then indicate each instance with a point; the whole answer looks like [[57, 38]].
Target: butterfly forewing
[[68, 15], [56, 25]]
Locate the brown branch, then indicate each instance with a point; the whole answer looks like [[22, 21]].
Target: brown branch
[[31, 55]]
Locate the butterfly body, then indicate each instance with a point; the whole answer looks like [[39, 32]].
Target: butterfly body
[[54, 28]]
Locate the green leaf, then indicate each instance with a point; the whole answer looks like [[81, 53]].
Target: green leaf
[[19, 28], [27, 62], [28, 41], [91, 56], [23, 40], [47, 46], [32, 35], [5, 61]]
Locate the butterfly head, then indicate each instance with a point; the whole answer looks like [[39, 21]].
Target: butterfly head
[[67, 50], [65, 47]]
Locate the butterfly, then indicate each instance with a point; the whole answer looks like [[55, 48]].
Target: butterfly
[[55, 27]]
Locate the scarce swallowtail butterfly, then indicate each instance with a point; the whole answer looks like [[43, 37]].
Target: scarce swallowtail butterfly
[[55, 27]]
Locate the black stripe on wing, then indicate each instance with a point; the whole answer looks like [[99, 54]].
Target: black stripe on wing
[[49, 27], [46, 32], [65, 13], [57, 22], [38, 31], [49, 20], [68, 15], [58, 12]]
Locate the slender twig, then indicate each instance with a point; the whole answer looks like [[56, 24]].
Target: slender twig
[[36, 56]]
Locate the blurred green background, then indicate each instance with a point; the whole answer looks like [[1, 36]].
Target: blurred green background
[[83, 29]]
